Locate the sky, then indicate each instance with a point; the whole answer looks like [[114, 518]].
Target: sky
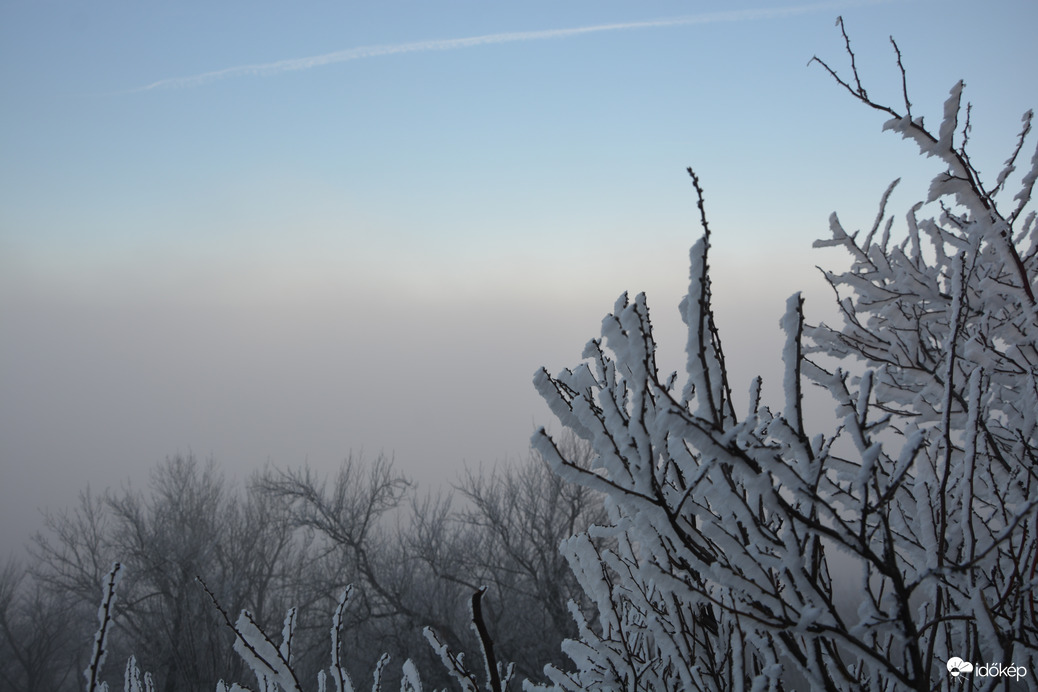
[[270, 232]]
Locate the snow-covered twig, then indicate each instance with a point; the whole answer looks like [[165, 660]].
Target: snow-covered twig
[[105, 614]]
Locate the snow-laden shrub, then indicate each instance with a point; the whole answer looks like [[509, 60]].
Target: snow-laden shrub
[[726, 528]]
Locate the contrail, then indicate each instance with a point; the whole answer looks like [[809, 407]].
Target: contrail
[[281, 66]]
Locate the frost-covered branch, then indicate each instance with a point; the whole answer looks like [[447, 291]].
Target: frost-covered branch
[[104, 616], [961, 180]]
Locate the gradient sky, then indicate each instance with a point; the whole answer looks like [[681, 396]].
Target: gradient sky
[[270, 231]]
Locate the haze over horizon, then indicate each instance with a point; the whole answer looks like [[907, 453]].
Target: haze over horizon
[[258, 234]]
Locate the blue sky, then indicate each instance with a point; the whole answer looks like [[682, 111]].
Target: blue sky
[[376, 250]]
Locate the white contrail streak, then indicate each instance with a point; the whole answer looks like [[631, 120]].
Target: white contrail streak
[[280, 66]]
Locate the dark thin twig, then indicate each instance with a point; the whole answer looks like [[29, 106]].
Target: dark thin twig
[[904, 77], [485, 640], [854, 66]]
